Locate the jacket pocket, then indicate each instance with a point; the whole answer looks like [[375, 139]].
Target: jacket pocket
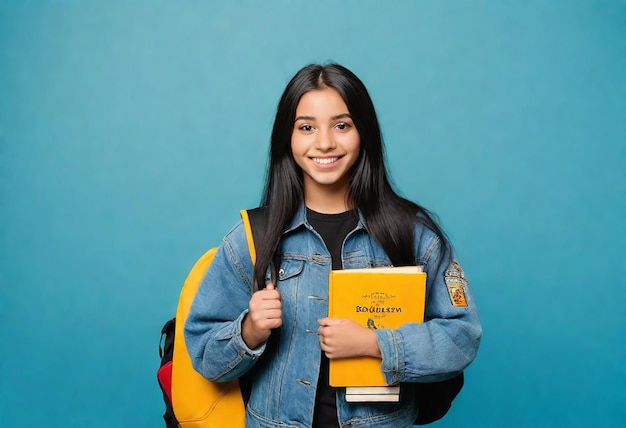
[[289, 269]]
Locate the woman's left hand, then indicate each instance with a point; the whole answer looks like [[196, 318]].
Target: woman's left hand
[[342, 338]]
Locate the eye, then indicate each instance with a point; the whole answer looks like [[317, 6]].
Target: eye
[[342, 126], [306, 128]]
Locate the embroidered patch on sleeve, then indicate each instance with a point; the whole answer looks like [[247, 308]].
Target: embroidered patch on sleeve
[[455, 281]]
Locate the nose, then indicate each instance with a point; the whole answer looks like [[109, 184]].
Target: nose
[[325, 141]]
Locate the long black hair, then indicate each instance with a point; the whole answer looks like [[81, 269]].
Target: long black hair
[[390, 219]]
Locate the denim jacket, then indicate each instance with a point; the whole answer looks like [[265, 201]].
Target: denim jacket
[[284, 379]]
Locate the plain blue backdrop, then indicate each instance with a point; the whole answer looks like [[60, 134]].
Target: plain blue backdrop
[[131, 133]]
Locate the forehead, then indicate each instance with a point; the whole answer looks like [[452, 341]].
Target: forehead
[[320, 103]]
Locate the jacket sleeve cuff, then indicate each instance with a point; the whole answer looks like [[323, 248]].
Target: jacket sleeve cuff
[[246, 357], [392, 352], [249, 354]]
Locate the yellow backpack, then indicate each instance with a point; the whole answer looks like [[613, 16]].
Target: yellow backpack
[[191, 400]]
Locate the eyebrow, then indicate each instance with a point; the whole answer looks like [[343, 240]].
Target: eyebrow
[[311, 118]]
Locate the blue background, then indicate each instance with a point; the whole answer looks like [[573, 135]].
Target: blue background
[[131, 133]]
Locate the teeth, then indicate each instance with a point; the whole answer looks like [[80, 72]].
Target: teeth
[[324, 161]]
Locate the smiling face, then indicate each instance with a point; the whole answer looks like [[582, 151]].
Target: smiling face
[[325, 144]]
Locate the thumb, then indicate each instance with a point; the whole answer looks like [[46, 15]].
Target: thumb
[[270, 286]]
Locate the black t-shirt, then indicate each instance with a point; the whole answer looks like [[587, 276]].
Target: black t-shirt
[[333, 229]]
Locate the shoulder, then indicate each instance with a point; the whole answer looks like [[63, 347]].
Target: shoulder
[[235, 241], [233, 256], [428, 243]]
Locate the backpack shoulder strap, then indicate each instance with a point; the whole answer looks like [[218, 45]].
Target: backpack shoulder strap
[[195, 400], [254, 222]]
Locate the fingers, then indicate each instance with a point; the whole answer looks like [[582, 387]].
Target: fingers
[[265, 313], [270, 292], [326, 346], [327, 322], [326, 336], [265, 308], [342, 338], [266, 298]]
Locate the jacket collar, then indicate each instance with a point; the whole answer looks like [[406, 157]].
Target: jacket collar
[[300, 220]]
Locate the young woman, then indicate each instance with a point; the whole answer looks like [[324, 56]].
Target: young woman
[[330, 205]]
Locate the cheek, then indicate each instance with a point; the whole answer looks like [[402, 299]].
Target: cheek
[[354, 144], [295, 145], [355, 149], [297, 151]]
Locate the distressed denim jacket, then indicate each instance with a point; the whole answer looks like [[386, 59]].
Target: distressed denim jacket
[[284, 379]]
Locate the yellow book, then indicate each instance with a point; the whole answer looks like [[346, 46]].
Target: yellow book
[[376, 298]]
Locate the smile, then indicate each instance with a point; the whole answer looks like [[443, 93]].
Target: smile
[[325, 161]]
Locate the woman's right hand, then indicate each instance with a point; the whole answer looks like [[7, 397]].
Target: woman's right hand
[[264, 314]]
